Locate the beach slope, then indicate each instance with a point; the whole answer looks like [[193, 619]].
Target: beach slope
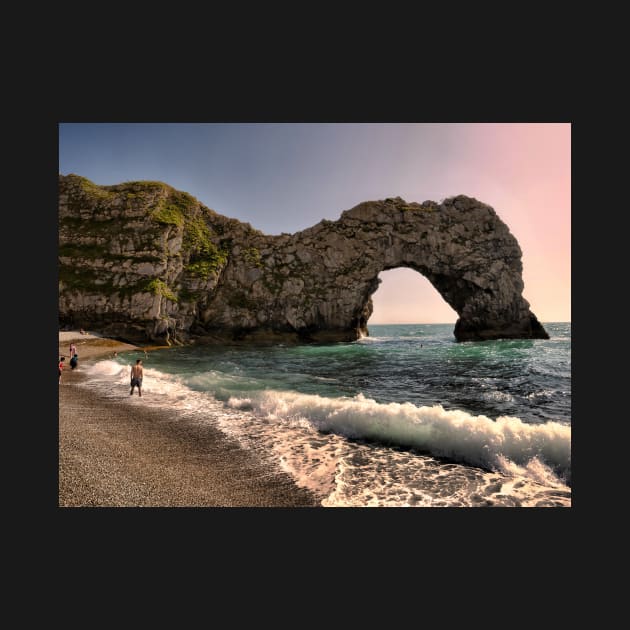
[[113, 454]]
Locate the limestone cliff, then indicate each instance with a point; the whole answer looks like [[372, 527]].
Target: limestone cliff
[[141, 261]]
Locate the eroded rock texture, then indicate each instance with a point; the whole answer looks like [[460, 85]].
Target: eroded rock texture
[[143, 262]]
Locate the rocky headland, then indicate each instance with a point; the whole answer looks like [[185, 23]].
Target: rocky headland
[[145, 263]]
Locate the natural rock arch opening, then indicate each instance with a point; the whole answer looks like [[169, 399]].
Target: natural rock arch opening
[[457, 291], [405, 296]]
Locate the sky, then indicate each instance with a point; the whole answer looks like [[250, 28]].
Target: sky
[[285, 177]]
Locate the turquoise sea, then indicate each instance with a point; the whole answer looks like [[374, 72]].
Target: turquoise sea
[[404, 417]]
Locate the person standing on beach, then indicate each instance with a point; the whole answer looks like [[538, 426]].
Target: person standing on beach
[[136, 377], [73, 350], [61, 360]]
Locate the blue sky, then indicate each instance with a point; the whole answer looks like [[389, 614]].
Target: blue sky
[[287, 177]]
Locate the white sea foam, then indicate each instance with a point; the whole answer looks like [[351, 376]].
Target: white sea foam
[[106, 368], [454, 434], [497, 396], [305, 435]]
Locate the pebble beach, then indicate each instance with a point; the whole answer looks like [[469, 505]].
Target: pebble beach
[[115, 454]]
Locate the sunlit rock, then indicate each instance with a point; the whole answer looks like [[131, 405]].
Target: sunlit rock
[[142, 261]]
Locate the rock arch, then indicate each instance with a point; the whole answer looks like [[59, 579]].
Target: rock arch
[[171, 269], [461, 246]]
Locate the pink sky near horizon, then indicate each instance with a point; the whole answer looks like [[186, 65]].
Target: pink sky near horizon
[[524, 172]]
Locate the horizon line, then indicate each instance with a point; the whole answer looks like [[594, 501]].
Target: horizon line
[[555, 321]]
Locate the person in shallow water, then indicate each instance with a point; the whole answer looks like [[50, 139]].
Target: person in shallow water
[[61, 360], [136, 377], [74, 361]]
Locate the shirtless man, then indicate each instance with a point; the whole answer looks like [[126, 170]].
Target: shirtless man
[[136, 377]]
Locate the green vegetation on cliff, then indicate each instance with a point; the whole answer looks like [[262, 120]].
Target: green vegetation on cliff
[[185, 212], [205, 256], [176, 209], [197, 236], [92, 189], [144, 183], [87, 280], [204, 268], [159, 287], [252, 256], [168, 214]]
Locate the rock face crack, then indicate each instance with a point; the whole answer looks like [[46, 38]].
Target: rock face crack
[[143, 262]]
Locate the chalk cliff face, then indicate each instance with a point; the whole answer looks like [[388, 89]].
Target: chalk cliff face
[[143, 262]]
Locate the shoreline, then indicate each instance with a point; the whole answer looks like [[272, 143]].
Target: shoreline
[[119, 455]]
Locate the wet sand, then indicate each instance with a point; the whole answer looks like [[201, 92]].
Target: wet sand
[[118, 455]]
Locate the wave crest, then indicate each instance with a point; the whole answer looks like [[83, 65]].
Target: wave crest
[[453, 434]]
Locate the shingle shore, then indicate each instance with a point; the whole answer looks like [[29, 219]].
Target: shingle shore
[[121, 455]]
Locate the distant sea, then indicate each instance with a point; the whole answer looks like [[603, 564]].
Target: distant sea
[[404, 417]]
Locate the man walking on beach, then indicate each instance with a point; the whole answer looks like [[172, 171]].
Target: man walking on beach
[[136, 377]]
